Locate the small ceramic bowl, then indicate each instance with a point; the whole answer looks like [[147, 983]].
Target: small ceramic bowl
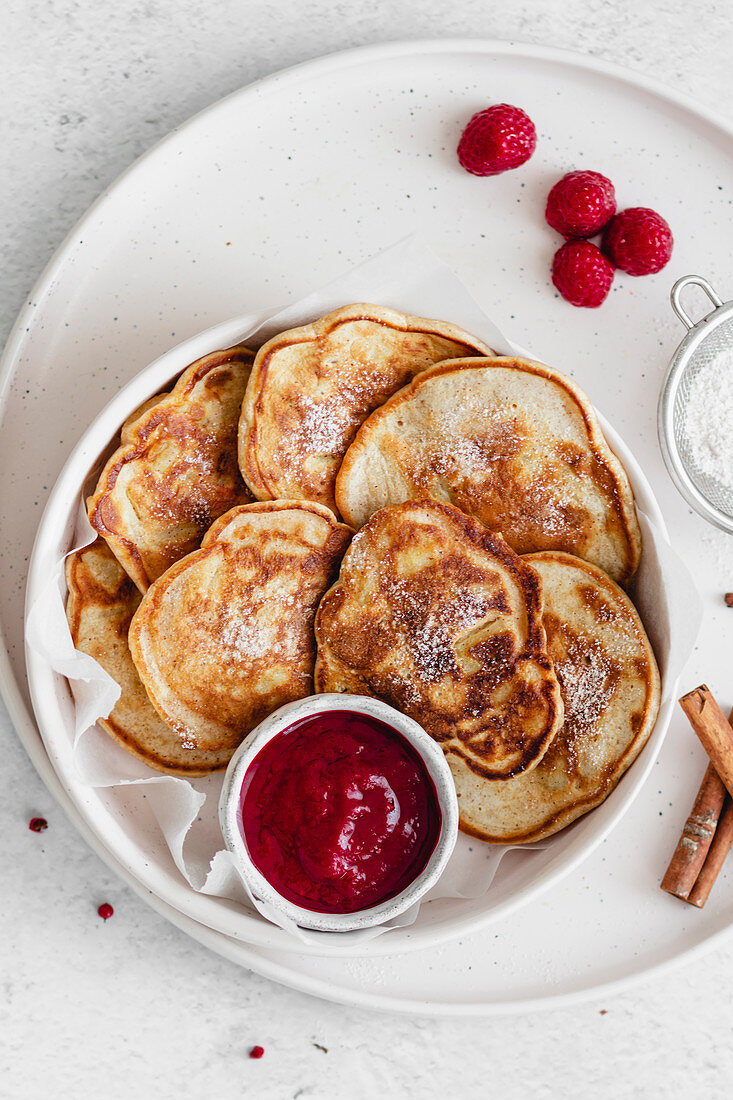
[[434, 761]]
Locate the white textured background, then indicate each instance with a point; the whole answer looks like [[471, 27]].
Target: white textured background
[[133, 1007]]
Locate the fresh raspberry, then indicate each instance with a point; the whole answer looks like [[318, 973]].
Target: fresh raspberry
[[105, 910], [497, 139], [580, 204], [582, 274], [256, 1052], [638, 240]]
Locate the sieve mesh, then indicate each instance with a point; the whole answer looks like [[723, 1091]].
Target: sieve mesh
[[719, 339]]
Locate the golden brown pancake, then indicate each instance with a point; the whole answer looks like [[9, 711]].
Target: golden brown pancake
[[439, 617], [101, 602], [509, 441], [610, 687], [313, 386], [225, 636], [176, 469]]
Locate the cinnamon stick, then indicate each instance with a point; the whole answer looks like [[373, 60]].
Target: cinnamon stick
[[708, 833], [697, 837], [713, 729], [719, 849]]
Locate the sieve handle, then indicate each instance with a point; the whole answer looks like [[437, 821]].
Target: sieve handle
[[679, 286]]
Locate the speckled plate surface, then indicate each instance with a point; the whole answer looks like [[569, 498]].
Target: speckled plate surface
[[284, 185]]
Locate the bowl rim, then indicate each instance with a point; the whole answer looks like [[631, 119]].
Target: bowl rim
[[274, 725]]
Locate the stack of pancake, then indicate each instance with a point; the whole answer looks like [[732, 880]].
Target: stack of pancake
[[375, 504]]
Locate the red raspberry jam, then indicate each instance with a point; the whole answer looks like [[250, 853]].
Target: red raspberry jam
[[339, 812]]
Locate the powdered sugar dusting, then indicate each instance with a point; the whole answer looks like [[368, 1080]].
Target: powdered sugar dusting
[[453, 449], [431, 632], [586, 684], [257, 635], [589, 671], [324, 424], [502, 440], [327, 422]]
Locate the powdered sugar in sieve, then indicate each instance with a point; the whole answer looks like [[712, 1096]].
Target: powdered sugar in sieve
[[696, 409]]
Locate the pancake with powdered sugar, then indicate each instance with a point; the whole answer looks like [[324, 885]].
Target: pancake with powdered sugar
[[176, 468], [438, 617], [101, 602], [312, 387], [509, 441], [225, 636], [610, 688]]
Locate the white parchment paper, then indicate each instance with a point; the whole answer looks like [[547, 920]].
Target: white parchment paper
[[408, 277]]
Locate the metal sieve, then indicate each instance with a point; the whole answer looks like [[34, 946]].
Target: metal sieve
[[704, 340]]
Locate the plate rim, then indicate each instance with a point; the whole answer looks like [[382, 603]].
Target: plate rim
[[341, 59]]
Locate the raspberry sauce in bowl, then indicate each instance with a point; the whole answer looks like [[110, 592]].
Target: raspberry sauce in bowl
[[340, 810]]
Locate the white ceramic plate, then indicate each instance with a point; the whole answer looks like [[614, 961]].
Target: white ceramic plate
[[305, 174]]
